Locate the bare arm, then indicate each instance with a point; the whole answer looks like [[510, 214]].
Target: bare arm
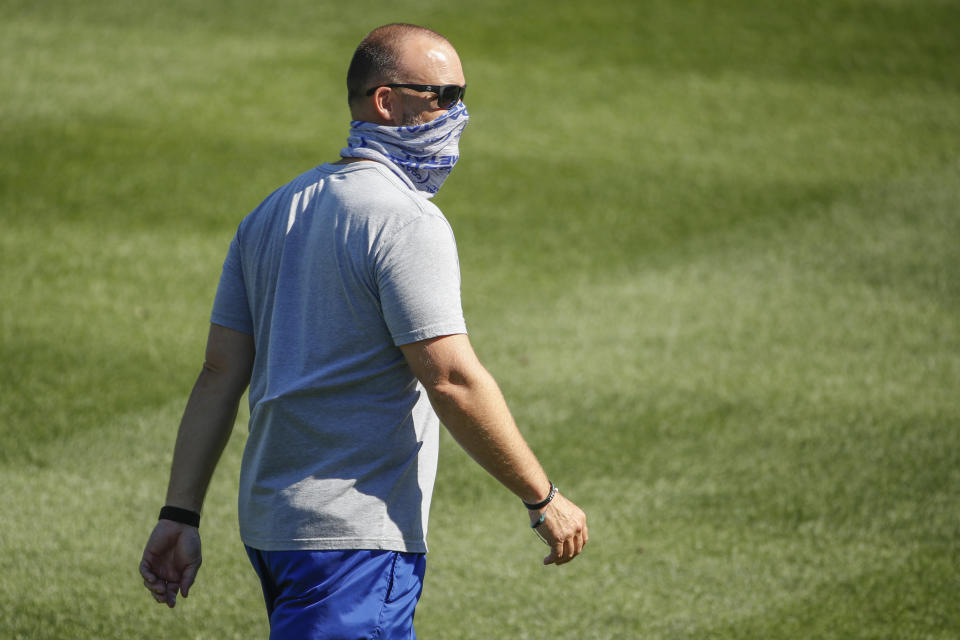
[[471, 406], [209, 416], [172, 556]]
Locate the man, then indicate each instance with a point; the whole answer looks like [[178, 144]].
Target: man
[[339, 306]]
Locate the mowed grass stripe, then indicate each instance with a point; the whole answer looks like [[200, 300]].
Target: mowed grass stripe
[[788, 417], [105, 322], [74, 548], [707, 250]]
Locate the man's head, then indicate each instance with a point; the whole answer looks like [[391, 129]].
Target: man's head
[[401, 54]]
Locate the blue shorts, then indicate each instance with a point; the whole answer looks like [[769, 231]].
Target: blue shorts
[[340, 594]]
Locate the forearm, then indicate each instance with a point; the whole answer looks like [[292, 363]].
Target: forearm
[[476, 415], [470, 404], [204, 432]]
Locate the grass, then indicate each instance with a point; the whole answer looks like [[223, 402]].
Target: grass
[[708, 250]]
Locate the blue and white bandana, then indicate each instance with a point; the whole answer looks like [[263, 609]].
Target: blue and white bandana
[[422, 155]]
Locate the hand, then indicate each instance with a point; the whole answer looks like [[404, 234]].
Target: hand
[[564, 528], [170, 561]]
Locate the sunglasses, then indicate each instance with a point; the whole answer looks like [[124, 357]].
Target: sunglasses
[[447, 94]]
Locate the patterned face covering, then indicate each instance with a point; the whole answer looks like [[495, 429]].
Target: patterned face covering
[[422, 155]]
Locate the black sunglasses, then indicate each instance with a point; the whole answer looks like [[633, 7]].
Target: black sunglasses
[[447, 94]]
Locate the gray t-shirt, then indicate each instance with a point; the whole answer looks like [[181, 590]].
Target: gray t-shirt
[[330, 274]]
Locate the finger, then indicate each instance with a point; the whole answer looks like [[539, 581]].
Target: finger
[[558, 550], [555, 550], [186, 581], [571, 547], [172, 588], [155, 587], [577, 546], [146, 572]]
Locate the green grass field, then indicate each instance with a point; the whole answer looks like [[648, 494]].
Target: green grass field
[[709, 250]]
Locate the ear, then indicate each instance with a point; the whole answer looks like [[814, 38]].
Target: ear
[[386, 105]]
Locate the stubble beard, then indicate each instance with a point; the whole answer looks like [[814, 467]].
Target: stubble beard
[[412, 119]]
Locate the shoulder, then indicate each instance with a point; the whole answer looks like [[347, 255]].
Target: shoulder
[[372, 189], [279, 200]]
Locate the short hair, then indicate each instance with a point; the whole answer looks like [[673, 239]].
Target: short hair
[[377, 58]]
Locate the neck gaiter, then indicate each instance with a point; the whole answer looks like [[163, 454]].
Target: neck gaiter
[[422, 155]]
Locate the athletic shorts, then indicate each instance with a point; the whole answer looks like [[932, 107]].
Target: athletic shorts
[[334, 595]]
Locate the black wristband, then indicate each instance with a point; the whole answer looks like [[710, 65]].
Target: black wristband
[[183, 516], [545, 501]]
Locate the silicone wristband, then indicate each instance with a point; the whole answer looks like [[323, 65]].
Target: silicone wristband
[[183, 516], [545, 501]]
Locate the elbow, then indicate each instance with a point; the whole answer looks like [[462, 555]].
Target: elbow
[[224, 378], [444, 392], [456, 390]]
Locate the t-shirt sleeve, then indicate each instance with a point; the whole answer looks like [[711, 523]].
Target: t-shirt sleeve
[[418, 277], [230, 306]]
